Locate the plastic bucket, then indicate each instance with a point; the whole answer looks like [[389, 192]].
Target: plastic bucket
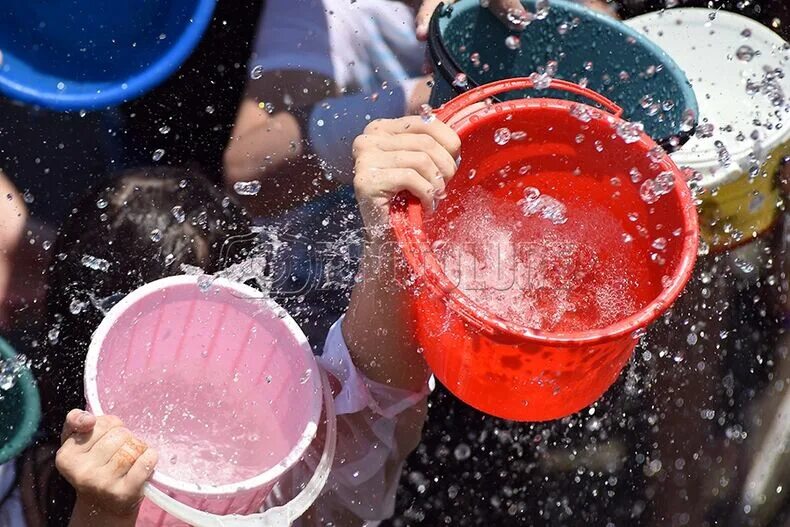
[[738, 159], [20, 407], [223, 383], [615, 60], [505, 367], [73, 54]]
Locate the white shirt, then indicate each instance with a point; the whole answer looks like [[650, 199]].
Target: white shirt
[[358, 44]]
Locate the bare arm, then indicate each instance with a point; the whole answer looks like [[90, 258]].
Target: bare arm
[[269, 147], [392, 156]]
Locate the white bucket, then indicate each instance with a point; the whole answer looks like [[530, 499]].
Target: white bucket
[[740, 198]]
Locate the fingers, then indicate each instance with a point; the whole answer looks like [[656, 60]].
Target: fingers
[[141, 470], [117, 444], [423, 17], [441, 133], [423, 143], [511, 13], [86, 440], [412, 181], [77, 422]]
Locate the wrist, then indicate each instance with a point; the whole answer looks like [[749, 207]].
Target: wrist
[[89, 514]]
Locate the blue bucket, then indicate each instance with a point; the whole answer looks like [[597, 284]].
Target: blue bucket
[[616, 61], [87, 54]]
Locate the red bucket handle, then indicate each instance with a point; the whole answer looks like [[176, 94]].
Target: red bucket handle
[[482, 93]]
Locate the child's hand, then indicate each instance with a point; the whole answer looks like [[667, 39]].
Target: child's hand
[[105, 463], [393, 155]]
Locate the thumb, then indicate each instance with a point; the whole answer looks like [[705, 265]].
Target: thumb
[[78, 422]]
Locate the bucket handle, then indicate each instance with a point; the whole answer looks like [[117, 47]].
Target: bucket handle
[[481, 93], [280, 516]]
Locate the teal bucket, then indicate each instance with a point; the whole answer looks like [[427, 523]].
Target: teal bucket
[[616, 61], [20, 407]]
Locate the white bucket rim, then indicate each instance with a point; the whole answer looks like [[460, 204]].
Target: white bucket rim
[[314, 408], [706, 161]]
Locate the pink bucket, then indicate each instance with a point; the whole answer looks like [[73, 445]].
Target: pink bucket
[[222, 382]]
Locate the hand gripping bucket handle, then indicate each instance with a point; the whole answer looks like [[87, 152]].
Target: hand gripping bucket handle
[[275, 517], [481, 93], [411, 207]]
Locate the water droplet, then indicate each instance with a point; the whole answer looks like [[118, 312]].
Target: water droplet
[[256, 72], [655, 154], [101, 203], [660, 244], [169, 259], [178, 213], [461, 81], [581, 112], [513, 42], [426, 112], [668, 105], [173, 459], [209, 109], [156, 235], [579, 138], [502, 136], [247, 188], [164, 129], [462, 452], [648, 193], [646, 101], [588, 66], [541, 81], [76, 306], [563, 28], [61, 86], [688, 120], [27, 197], [158, 154], [518, 135], [97, 264], [306, 376], [745, 53], [746, 33], [474, 58], [629, 132], [636, 176]]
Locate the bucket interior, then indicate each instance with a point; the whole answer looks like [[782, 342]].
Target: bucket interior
[[598, 257], [74, 42], [611, 58], [217, 383]]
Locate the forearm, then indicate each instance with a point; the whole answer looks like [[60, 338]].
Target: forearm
[[85, 515], [378, 327], [273, 152]]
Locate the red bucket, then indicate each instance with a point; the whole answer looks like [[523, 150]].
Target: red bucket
[[610, 248]]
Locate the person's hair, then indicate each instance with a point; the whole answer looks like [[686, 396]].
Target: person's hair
[[136, 227]]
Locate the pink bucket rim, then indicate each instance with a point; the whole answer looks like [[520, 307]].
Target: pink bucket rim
[[314, 407]]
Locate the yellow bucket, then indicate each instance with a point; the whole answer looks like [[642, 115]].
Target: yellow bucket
[[734, 65]]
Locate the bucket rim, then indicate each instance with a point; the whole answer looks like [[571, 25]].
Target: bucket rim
[[109, 94], [31, 410], [314, 408], [705, 158], [449, 67], [406, 216]]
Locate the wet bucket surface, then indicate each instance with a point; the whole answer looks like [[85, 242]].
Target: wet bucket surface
[[612, 58], [20, 407], [744, 129], [224, 388], [638, 254], [72, 54]]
